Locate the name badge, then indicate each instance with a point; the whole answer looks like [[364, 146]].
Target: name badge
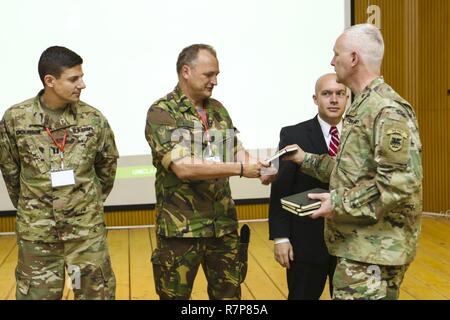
[[215, 159], [62, 178]]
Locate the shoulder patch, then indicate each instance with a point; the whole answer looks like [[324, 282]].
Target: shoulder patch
[[396, 139]]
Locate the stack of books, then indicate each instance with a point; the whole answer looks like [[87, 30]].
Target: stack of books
[[300, 204]]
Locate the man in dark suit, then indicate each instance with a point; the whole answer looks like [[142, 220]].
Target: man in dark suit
[[299, 241]]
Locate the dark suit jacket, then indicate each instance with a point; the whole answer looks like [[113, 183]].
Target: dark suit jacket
[[304, 233]]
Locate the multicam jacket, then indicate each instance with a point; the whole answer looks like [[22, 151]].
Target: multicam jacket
[[375, 181], [202, 208], [29, 155]]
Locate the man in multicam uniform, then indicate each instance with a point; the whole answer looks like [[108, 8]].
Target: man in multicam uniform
[[374, 207], [195, 150], [59, 224]]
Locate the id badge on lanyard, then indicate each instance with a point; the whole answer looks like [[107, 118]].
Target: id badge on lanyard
[[63, 176], [204, 120]]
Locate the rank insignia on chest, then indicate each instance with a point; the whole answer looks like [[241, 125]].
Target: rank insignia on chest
[[396, 139]]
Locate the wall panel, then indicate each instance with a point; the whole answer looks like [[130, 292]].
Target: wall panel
[[147, 217], [416, 65]]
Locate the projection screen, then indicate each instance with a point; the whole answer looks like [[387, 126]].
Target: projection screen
[[270, 52]]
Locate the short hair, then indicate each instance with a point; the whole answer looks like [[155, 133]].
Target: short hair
[[368, 40], [189, 54], [326, 75], [55, 59]]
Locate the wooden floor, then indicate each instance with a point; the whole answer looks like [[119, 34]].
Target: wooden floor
[[427, 278]]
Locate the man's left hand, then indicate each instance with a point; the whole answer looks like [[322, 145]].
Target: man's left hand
[[268, 175], [325, 209]]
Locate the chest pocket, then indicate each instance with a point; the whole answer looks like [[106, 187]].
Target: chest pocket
[[82, 147], [355, 149], [34, 153]]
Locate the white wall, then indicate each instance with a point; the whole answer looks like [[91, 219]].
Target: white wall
[[270, 51]]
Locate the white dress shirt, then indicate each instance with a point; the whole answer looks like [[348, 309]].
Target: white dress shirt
[[326, 129]]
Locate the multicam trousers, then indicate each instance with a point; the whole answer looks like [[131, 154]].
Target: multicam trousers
[[358, 280], [40, 273]]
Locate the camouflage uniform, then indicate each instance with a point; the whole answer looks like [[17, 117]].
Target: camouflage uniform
[[65, 217], [376, 186], [359, 280], [196, 220], [40, 274]]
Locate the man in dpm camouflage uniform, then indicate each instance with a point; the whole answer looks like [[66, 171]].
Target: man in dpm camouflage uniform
[[374, 207], [195, 150], [59, 162]]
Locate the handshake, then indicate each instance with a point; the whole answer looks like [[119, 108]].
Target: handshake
[[265, 171]]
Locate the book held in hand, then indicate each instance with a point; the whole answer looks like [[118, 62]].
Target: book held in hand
[[300, 204], [280, 153]]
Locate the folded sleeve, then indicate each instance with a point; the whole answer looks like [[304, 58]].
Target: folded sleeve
[[167, 141]]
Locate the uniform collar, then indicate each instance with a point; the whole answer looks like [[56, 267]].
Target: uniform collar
[[371, 86], [359, 98], [183, 102], [41, 119]]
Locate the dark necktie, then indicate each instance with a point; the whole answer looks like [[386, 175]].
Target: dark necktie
[[334, 142]]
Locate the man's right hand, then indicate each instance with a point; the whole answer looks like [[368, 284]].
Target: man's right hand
[[297, 156], [284, 253], [252, 170]]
